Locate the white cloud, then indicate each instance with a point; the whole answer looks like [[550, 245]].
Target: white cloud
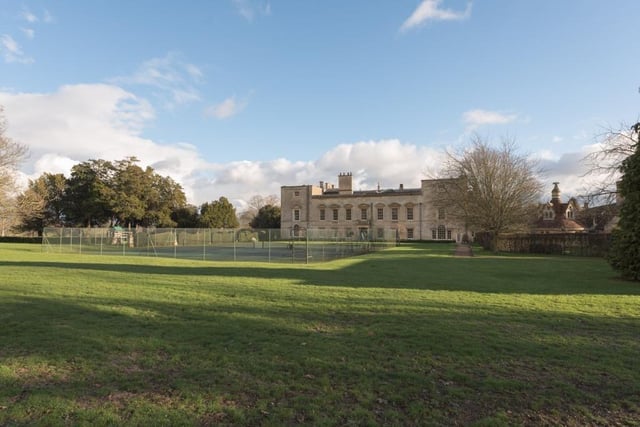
[[248, 9], [174, 79], [404, 164], [476, 118], [82, 122], [28, 16], [226, 109], [12, 52], [429, 10], [32, 18]]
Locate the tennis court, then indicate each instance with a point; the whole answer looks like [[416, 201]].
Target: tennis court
[[210, 244]]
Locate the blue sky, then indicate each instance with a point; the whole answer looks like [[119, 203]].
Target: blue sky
[[237, 97]]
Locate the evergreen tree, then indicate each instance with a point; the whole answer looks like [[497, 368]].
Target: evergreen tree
[[185, 216], [267, 217], [218, 214], [624, 254]]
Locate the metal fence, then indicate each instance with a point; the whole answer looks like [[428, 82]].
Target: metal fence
[[274, 245]]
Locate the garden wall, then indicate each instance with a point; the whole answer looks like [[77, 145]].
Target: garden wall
[[577, 244]]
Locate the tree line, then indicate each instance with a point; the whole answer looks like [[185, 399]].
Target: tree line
[[102, 193]]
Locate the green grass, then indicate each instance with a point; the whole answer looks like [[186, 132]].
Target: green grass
[[408, 336]]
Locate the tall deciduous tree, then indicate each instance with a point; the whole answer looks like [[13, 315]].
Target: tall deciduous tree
[[604, 164], [89, 194], [131, 185], [218, 214], [624, 254], [494, 190], [165, 197], [254, 204], [41, 204]]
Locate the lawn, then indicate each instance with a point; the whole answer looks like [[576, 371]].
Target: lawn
[[407, 336]]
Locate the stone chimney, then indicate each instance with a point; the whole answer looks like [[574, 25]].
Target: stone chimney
[[345, 183]]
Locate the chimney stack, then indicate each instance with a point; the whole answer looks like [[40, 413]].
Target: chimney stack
[[345, 183]]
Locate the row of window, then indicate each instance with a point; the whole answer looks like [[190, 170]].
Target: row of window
[[364, 212], [549, 213], [440, 233]]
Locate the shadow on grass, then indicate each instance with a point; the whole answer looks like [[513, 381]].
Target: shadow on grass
[[284, 362], [405, 268]]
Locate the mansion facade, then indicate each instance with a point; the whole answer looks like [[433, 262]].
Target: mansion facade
[[400, 213]]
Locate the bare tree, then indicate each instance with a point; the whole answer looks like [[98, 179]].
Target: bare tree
[[493, 190], [603, 165], [11, 154], [254, 205]]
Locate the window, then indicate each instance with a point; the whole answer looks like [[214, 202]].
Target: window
[[570, 212], [322, 215], [441, 232], [449, 234], [409, 233], [441, 213], [348, 213], [380, 233], [335, 214], [410, 213], [394, 214], [380, 213], [434, 235], [296, 193], [363, 213], [548, 214], [296, 214]]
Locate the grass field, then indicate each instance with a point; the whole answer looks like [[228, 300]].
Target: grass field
[[407, 336]]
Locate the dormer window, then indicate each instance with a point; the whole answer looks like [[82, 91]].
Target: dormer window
[[570, 212]]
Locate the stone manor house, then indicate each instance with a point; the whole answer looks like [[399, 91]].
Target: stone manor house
[[400, 213]]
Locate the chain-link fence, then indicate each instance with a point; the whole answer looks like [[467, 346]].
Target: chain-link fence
[[274, 245]]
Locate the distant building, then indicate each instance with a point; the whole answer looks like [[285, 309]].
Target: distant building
[[570, 217], [559, 217], [410, 213]]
